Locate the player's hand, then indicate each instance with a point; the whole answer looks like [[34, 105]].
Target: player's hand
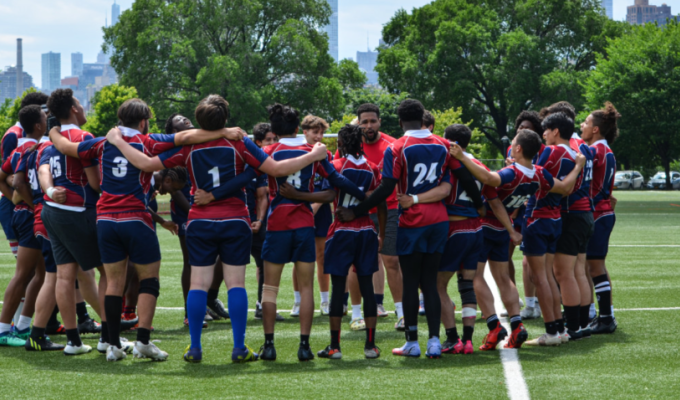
[[481, 211], [405, 200], [201, 197], [580, 160], [235, 133], [114, 136], [344, 214], [516, 237], [456, 151], [381, 240], [171, 226], [59, 195], [509, 161], [153, 196], [288, 191], [319, 152], [255, 226]]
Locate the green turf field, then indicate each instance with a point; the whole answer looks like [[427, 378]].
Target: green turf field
[[641, 360]]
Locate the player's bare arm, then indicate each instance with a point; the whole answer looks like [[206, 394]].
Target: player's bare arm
[[482, 175], [168, 225], [502, 215], [21, 187], [5, 188], [134, 156], [325, 196], [196, 136], [290, 166], [58, 194], [62, 144], [566, 185], [93, 178], [431, 196]]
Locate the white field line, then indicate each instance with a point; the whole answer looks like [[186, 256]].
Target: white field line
[[514, 379]]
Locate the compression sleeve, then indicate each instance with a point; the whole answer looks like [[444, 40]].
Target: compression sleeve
[[469, 184], [234, 185], [345, 184]]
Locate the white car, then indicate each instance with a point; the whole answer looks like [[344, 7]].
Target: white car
[[658, 181], [628, 180]]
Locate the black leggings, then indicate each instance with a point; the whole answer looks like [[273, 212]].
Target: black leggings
[[420, 269], [338, 295]]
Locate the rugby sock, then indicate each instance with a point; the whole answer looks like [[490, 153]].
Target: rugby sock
[[551, 328], [559, 323], [17, 313], [304, 341], [324, 297], [212, 295], [268, 339], [143, 335], [412, 333], [24, 322], [452, 335], [583, 316], [593, 312], [467, 333], [105, 332], [73, 337], [5, 327], [238, 313], [515, 320], [53, 318], [370, 338], [113, 307], [81, 310], [129, 310], [356, 312], [297, 297], [379, 298], [603, 290], [492, 322], [37, 333], [196, 307], [399, 308], [531, 301], [346, 299], [573, 315], [420, 297], [335, 339]]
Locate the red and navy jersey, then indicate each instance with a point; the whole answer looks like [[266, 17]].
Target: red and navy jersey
[[419, 161], [10, 140], [211, 165], [604, 169], [286, 214], [579, 200], [12, 164], [29, 164], [124, 187], [458, 203], [559, 161]]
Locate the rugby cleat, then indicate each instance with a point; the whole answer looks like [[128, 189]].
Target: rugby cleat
[[410, 349], [149, 351], [521, 303], [258, 312], [572, 335], [186, 323], [113, 353], [344, 310], [400, 325], [216, 308], [42, 344], [358, 324], [22, 334], [279, 317], [324, 308], [421, 308], [244, 355], [381, 311], [295, 312], [193, 355], [598, 327], [452, 348], [372, 353], [125, 345], [55, 330], [305, 354], [586, 332], [468, 348], [545, 340], [518, 336], [208, 317], [494, 337], [530, 313], [71, 350], [89, 326], [268, 353], [330, 353], [128, 321], [11, 340], [434, 348]]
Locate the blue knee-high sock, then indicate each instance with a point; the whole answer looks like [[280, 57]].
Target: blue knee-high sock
[[238, 313], [197, 302]]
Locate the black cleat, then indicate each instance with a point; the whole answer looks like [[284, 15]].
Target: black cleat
[[42, 344], [89, 326], [279, 317], [573, 336], [268, 353], [305, 354], [258, 313], [55, 329], [598, 327], [217, 308], [328, 352]]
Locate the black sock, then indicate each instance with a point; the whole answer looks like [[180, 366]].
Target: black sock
[[452, 335], [573, 317], [379, 298], [105, 332], [559, 323], [73, 336], [37, 333], [603, 290], [583, 316], [551, 328], [335, 339], [268, 339], [344, 301], [467, 333], [53, 318], [304, 341], [515, 320], [81, 310], [412, 333], [143, 335], [113, 307], [212, 295], [492, 322], [370, 338]]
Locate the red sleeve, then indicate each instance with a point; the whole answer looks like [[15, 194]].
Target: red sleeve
[[173, 157], [7, 166], [489, 192], [454, 164], [337, 154]]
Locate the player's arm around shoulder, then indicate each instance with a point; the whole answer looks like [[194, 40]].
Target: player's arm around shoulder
[[62, 144], [135, 157], [479, 172]]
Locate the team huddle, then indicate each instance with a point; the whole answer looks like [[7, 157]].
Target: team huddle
[[416, 210]]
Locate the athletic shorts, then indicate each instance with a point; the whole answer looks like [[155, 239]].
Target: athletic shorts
[[128, 234], [496, 245], [351, 244], [598, 246], [181, 223], [464, 245], [282, 247], [39, 229], [428, 239], [6, 211], [50, 265], [230, 239], [389, 247], [73, 236], [22, 224], [322, 221], [540, 236], [577, 228]]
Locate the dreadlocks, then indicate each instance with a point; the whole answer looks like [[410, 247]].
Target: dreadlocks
[[349, 140], [176, 174]]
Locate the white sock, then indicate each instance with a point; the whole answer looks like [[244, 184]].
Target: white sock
[[356, 312], [17, 314], [612, 311], [531, 301], [593, 311], [399, 308], [258, 305], [421, 297], [24, 322], [297, 297], [324, 297], [5, 327]]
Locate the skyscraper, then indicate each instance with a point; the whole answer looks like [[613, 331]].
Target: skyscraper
[[332, 30], [76, 64], [367, 61], [20, 68], [13, 80], [608, 8], [115, 13], [51, 71], [642, 12]]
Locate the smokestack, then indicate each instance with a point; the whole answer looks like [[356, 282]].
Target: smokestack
[[20, 69]]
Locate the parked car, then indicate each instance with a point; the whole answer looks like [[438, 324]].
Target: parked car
[[628, 180], [658, 181], [676, 184]]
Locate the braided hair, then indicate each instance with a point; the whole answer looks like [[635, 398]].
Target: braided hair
[[350, 140], [176, 174]]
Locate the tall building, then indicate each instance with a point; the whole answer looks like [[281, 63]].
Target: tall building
[[76, 64], [51, 71], [20, 67], [367, 61], [115, 13], [9, 89], [608, 6], [332, 30], [642, 12]]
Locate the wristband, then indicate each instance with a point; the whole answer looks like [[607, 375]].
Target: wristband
[[50, 191], [415, 199]]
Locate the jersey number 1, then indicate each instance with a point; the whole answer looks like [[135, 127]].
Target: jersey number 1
[[215, 172]]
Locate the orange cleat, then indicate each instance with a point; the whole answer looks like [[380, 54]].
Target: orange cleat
[[494, 337], [517, 338]]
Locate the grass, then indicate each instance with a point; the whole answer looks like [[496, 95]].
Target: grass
[[641, 360]]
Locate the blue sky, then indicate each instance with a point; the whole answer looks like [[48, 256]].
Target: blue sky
[[69, 26]]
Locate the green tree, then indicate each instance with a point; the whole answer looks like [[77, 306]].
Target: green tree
[[252, 52], [106, 103], [388, 103], [9, 111], [479, 145], [641, 77], [493, 58]]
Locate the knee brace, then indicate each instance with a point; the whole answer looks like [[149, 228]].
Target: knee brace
[[469, 312], [150, 286], [467, 291], [269, 294]]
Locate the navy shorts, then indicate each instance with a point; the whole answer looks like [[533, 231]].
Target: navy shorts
[[465, 244], [598, 246], [282, 247], [123, 235], [6, 211], [540, 236], [230, 239], [50, 265], [322, 221], [351, 245], [496, 245], [22, 224], [427, 239]]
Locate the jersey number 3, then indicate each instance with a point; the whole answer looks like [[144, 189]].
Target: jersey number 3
[[120, 170]]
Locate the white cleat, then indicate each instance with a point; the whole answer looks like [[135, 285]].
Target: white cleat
[[71, 350], [113, 353], [530, 313], [324, 308], [126, 345], [295, 312], [545, 340], [149, 351], [381, 311], [521, 303]]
